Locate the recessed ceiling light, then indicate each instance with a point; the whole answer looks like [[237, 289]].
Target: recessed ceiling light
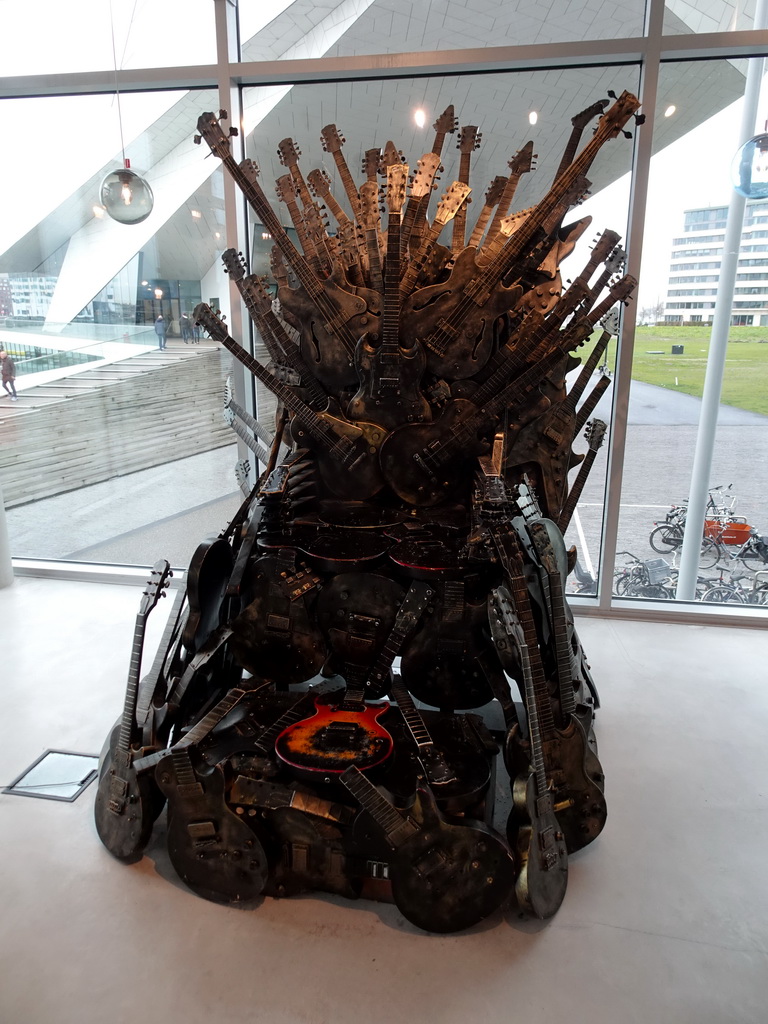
[[420, 118], [196, 214], [670, 110], [533, 117]]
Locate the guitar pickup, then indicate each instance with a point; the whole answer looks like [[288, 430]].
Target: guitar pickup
[[278, 623], [202, 833]]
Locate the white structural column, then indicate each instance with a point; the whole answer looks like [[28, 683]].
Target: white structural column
[[101, 248], [718, 345]]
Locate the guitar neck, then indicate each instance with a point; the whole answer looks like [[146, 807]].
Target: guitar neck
[[590, 364], [504, 204], [390, 328], [590, 402], [396, 827], [575, 492], [508, 546], [297, 219], [534, 727], [348, 182], [131, 691], [458, 239], [412, 210]]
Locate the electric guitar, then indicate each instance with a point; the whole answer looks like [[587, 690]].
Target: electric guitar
[[422, 184], [543, 857], [352, 446], [445, 877], [214, 852], [578, 801], [126, 805], [469, 141], [594, 436], [389, 374]]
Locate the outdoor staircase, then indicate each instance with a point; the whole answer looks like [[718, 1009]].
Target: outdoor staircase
[[145, 411]]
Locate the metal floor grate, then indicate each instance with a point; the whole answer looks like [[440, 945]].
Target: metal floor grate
[[56, 775]]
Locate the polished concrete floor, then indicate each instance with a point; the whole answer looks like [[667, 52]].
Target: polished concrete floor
[[665, 918]]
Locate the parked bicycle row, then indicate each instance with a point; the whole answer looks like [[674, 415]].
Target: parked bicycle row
[[727, 538], [656, 579]]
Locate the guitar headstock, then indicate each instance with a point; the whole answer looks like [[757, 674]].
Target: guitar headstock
[[210, 321], [288, 152], [612, 122], [397, 178], [603, 246], [390, 156], [371, 162], [594, 434], [621, 291], [319, 183], [447, 122], [451, 201], [369, 204], [610, 322], [157, 584], [614, 262], [330, 138], [495, 190], [234, 264], [210, 129], [582, 119], [258, 291], [469, 139], [524, 160], [277, 266], [250, 170], [285, 188], [423, 181]]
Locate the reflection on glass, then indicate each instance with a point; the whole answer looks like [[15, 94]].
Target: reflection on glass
[[102, 412]]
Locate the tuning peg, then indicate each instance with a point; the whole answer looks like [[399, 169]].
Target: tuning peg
[[612, 94], [627, 135], [197, 139], [639, 119], [223, 115], [233, 131]]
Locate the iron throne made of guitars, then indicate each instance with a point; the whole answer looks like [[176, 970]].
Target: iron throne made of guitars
[[413, 507]]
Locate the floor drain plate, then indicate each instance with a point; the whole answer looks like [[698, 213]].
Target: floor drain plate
[[56, 775]]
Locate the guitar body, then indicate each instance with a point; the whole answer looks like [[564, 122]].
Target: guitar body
[[576, 778], [337, 735], [214, 852], [409, 474], [543, 878], [389, 392], [470, 347], [276, 637], [126, 806], [209, 572], [359, 481], [449, 877], [439, 665], [357, 309]]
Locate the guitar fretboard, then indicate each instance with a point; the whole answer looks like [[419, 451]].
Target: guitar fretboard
[[388, 818]]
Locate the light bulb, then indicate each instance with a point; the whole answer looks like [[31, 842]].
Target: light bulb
[[533, 117], [420, 118], [126, 196]]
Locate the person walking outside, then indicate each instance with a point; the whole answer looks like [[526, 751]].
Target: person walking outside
[[160, 331], [9, 374]]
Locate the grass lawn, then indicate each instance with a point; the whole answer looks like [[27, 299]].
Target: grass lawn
[[745, 383]]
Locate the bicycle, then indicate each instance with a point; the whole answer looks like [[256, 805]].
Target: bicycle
[[668, 536], [752, 554], [642, 578]]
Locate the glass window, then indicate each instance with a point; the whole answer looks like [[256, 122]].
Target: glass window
[[113, 443], [79, 35], [669, 369], [279, 29]]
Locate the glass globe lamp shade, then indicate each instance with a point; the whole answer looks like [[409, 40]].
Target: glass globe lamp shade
[[126, 197], [749, 170]]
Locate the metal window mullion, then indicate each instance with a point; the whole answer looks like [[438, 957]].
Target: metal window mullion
[[638, 198]]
